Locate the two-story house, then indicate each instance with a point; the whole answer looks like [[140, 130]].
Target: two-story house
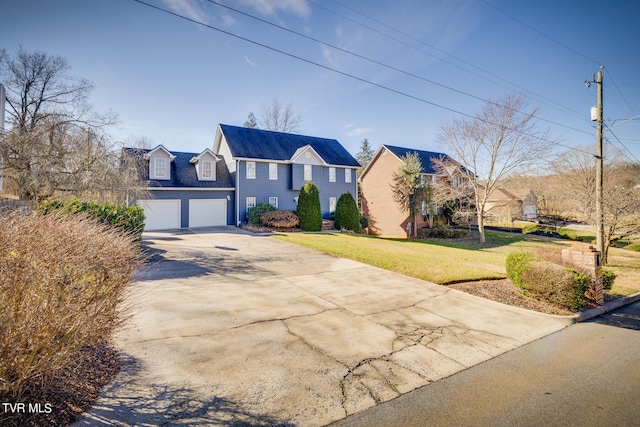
[[246, 167], [386, 218], [272, 167]]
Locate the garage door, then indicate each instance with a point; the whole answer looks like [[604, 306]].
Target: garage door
[[207, 212], [161, 214]]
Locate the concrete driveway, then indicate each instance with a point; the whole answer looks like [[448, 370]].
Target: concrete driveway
[[231, 328]]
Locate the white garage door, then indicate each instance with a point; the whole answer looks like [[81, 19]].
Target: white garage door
[[161, 214], [207, 212]]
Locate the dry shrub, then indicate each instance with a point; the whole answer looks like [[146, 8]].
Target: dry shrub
[[550, 254], [280, 219], [62, 285], [555, 283]]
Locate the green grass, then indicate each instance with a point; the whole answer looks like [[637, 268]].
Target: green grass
[[456, 260], [439, 262]]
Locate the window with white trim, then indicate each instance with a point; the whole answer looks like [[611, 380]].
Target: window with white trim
[[273, 201], [332, 174], [251, 202], [251, 170], [160, 168], [308, 173], [424, 208], [347, 176], [332, 204], [273, 171], [207, 169]]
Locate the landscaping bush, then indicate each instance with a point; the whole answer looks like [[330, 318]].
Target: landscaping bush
[[347, 214], [364, 222], [555, 283], [127, 218], [516, 264], [62, 284], [254, 213], [441, 233], [633, 247], [608, 278], [280, 219], [309, 210]]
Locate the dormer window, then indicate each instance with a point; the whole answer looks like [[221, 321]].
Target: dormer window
[[207, 169], [160, 168]]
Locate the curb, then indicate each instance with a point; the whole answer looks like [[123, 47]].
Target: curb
[[605, 308]]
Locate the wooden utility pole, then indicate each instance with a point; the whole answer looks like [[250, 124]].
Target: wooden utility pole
[[599, 170]]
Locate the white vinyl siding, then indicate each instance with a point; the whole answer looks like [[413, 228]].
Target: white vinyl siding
[[332, 174], [273, 201], [308, 174], [347, 176], [251, 170], [273, 171]]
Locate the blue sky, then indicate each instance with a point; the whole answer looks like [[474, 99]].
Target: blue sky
[[172, 81]]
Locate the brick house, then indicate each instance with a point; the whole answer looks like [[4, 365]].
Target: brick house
[[385, 216]]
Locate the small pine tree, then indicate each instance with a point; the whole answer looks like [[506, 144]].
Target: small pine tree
[[347, 215], [309, 209]]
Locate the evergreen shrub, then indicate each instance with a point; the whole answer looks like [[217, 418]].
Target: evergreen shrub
[[309, 210], [347, 214], [254, 213], [516, 264]]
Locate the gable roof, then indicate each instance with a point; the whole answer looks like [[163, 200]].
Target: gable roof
[[183, 172], [425, 157], [248, 143], [502, 194]]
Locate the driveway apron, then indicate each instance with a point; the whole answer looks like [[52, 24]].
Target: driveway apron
[[230, 328]]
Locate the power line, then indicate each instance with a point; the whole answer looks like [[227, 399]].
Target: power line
[[623, 146], [553, 103], [541, 33], [381, 63], [363, 80], [620, 92]]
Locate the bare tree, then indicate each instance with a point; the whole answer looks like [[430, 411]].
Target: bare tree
[[55, 141], [452, 190], [280, 118], [499, 142], [407, 187], [251, 121], [575, 182]]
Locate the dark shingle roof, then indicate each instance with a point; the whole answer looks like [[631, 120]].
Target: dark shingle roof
[[425, 157], [267, 145], [183, 173]]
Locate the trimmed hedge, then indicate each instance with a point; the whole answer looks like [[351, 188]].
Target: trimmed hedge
[[556, 284], [309, 210], [608, 277], [280, 219], [441, 233], [128, 218], [516, 264], [347, 214], [254, 213]]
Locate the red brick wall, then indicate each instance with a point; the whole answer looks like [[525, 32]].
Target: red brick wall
[[385, 217]]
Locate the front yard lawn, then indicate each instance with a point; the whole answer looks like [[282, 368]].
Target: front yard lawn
[[438, 262], [447, 261]]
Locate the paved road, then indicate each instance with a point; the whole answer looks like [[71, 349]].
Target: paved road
[[585, 375]]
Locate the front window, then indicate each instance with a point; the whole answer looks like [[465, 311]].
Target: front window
[[347, 176], [308, 174], [160, 168], [273, 171], [424, 208], [251, 202], [332, 204], [273, 201], [251, 170], [332, 174]]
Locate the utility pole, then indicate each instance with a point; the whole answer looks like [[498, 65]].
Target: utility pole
[[599, 170]]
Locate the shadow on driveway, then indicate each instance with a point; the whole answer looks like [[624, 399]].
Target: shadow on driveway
[[166, 405]]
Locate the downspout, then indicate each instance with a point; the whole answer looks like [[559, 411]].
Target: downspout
[[237, 198]]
